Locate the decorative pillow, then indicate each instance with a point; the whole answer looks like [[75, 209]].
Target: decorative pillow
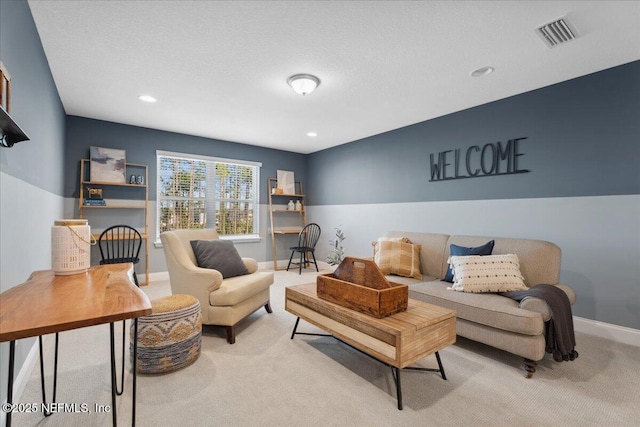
[[388, 239], [489, 273], [396, 257], [219, 255], [456, 250]]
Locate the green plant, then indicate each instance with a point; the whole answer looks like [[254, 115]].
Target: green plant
[[337, 252]]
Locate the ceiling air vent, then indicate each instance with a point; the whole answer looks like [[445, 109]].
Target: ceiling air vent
[[557, 32]]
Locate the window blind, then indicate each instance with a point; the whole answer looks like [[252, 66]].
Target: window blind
[[207, 192]]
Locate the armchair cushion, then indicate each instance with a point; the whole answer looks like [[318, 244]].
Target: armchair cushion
[[219, 255]]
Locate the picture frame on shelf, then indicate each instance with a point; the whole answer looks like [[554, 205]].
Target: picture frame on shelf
[[107, 165], [286, 182]]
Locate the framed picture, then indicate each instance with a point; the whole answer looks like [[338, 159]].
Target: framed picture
[[286, 182], [107, 165]]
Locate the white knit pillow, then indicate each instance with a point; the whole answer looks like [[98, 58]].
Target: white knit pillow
[[486, 273]]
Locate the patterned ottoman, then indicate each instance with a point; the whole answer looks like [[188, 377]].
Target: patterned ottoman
[[169, 338]]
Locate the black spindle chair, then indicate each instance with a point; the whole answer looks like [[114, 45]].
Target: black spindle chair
[[119, 244], [307, 240]]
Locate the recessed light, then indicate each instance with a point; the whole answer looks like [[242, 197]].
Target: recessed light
[[482, 71], [147, 98], [312, 134]]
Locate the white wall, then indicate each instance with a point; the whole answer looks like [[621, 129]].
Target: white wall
[[27, 214]]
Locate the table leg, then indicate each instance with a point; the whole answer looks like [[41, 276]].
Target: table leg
[[119, 392], [55, 376], [396, 376], [12, 358], [114, 417], [295, 328], [444, 377], [135, 370]]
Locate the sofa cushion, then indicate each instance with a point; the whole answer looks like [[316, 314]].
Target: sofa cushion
[[487, 309], [219, 255], [455, 250], [398, 257], [489, 273]]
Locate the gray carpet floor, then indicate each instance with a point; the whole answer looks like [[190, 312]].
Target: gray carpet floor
[[266, 378]]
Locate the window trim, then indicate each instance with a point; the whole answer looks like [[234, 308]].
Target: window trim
[[239, 238]]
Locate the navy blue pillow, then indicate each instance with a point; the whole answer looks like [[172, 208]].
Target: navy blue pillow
[[456, 250]]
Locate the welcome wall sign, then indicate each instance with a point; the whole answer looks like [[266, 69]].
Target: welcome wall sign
[[489, 160]]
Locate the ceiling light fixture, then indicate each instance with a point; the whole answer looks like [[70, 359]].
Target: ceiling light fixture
[[147, 98], [480, 72], [312, 134], [303, 83]]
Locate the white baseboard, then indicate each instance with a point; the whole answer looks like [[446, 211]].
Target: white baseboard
[[620, 334], [157, 277], [20, 381]]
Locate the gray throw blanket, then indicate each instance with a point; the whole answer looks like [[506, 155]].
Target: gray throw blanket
[[561, 340]]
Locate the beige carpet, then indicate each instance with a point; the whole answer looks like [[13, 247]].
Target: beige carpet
[[268, 379]]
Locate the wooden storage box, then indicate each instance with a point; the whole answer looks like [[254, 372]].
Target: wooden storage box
[[359, 285]]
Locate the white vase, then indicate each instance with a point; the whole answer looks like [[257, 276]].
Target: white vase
[[298, 205], [291, 206]]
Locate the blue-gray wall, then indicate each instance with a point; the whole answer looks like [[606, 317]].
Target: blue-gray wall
[[31, 173], [583, 139], [583, 153], [140, 145]]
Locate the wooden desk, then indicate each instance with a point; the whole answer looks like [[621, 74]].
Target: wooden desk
[[397, 340], [47, 303]]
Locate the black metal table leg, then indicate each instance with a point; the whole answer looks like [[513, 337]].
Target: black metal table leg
[[135, 370], [114, 416], [114, 381], [55, 376], [394, 370], [121, 390], [295, 328], [396, 376], [444, 377], [12, 359]]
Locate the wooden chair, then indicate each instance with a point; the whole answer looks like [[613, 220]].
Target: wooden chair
[[307, 240]]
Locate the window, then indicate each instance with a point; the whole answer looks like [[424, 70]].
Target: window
[[207, 192]]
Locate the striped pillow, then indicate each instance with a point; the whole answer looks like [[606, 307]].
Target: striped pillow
[[488, 273], [398, 257]]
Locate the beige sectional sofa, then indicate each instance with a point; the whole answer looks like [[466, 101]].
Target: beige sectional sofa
[[490, 318]]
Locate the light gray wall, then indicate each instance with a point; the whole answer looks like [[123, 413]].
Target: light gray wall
[[582, 191], [31, 178]]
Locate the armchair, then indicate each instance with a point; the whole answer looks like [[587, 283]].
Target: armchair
[[224, 302]]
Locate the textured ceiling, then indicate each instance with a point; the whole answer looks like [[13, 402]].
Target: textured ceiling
[[219, 69]]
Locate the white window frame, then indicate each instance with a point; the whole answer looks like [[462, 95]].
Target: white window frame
[[211, 199]]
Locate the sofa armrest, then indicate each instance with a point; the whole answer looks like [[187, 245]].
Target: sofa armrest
[[539, 306], [251, 264]]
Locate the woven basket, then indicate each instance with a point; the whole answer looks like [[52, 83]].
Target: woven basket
[[70, 246]]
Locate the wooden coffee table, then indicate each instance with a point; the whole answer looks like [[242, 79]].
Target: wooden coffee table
[[397, 340]]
